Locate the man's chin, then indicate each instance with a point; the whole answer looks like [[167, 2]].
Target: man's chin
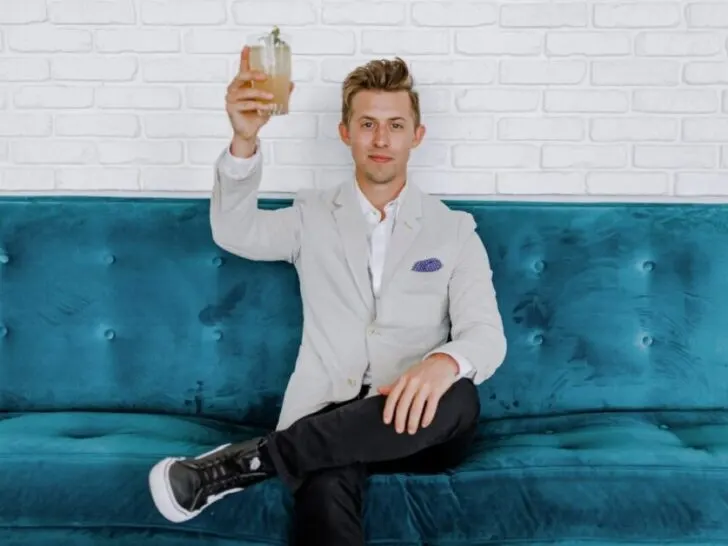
[[380, 177]]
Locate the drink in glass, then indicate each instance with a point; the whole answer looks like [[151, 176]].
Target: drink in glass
[[271, 53]]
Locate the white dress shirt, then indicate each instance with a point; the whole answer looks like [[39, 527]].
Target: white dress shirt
[[380, 232]]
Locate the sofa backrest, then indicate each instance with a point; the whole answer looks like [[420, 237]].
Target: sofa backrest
[[126, 304]]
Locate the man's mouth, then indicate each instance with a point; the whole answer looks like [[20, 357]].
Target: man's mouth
[[380, 158]]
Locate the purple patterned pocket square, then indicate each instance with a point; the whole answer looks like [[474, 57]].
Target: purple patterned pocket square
[[427, 266]]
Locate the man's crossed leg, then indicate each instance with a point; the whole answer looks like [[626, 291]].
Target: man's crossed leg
[[324, 460]]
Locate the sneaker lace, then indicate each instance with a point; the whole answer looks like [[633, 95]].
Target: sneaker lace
[[219, 474]]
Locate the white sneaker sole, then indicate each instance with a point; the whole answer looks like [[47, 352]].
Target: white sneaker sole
[[161, 490]]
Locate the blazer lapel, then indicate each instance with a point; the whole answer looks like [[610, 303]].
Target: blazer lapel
[[406, 228], [353, 231]]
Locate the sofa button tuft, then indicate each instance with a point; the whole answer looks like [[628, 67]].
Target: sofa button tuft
[[3, 330], [109, 334], [646, 341], [648, 265], [217, 261], [4, 258]]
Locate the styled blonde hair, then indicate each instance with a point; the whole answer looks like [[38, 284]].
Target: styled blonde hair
[[379, 75]]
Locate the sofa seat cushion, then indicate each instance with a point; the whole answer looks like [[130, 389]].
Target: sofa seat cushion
[[74, 469], [592, 477]]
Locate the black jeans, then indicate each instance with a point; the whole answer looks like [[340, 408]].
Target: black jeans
[[325, 458]]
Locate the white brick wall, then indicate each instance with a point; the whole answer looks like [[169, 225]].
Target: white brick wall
[[524, 99]]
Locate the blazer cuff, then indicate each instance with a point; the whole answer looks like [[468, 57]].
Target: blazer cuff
[[240, 167], [466, 369]]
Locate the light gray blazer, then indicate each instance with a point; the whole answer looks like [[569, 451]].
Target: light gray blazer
[[324, 235]]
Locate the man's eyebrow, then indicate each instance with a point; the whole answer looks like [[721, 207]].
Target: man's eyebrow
[[390, 119]]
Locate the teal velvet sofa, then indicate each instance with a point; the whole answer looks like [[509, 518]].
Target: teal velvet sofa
[[127, 335]]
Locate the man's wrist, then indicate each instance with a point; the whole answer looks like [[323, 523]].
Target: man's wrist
[[243, 148], [446, 359]]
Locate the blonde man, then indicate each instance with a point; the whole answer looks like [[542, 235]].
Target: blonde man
[[400, 317]]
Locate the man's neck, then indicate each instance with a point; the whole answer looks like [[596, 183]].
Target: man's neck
[[381, 194]]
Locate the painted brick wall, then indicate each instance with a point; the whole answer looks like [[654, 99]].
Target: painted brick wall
[[601, 98]]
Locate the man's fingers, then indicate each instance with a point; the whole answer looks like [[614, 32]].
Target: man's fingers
[[245, 60], [243, 80], [403, 407], [248, 94], [415, 413], [392, 398], [432, 402], [385, 390], [251, 106]]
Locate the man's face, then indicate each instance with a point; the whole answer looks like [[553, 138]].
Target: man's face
[[381, 134]]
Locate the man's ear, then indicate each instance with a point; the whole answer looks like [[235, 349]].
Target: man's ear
[[420, 131], [344, 134]]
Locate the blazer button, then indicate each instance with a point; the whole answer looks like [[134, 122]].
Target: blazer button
[[352, 382]]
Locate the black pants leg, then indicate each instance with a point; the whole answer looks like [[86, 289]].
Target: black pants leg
[[328, 508], [356, 433], [328, 504], [325, 458]]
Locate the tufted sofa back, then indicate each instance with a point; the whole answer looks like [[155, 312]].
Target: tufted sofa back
[[126, 304]]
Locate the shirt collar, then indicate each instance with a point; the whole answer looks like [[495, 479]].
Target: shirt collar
[[369, 210]]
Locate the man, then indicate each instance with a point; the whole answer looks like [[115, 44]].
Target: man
[[387, 275]]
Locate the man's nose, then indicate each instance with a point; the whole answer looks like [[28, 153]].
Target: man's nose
[[381, 137]]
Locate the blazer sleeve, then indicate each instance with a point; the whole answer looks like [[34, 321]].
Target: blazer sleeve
[[476, 326], [239, 225]]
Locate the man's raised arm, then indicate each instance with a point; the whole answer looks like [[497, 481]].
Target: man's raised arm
[[238, 224]]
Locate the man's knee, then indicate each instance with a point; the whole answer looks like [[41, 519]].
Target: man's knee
[[463, 398]]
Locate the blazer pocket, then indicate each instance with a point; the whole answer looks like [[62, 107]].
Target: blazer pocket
[[425, 283]]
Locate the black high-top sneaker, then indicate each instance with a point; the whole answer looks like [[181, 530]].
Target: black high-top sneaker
[[183, 487]]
